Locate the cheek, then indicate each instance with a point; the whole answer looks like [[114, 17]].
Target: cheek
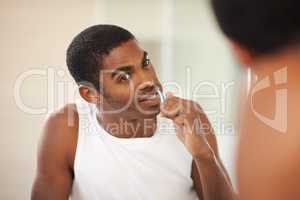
[[119, 94], [114, 91]]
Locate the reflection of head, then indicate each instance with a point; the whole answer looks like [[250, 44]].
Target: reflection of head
[[261, 26], [84, 54]]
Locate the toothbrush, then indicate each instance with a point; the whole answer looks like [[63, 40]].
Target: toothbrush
[[162, 96]]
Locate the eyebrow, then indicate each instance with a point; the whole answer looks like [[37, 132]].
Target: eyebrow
[[127, 68]]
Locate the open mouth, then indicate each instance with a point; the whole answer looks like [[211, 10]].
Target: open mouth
[[148, 97], [150, 100], [156, 94]]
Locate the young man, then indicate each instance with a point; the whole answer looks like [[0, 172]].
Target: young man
[[111, 144], [265, 36]]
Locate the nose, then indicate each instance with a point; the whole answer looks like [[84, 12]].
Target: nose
[[146, 81], [147, 87]]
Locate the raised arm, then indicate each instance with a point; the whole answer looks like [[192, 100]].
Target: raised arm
[[209, 172], [194, 130]]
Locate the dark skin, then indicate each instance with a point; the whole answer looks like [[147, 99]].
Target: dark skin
[[125, 66], [193, 128]]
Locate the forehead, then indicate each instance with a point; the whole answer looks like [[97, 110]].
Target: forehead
[[128, 53]]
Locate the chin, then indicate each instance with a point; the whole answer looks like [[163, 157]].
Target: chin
[[150, 113]]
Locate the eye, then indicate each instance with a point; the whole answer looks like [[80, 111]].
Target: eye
[[123, 77], [146, 62]]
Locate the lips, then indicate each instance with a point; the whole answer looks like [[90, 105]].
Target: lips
[[149, 100], [147, 97]]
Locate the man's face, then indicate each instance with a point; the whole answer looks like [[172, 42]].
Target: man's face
[[129, 83]]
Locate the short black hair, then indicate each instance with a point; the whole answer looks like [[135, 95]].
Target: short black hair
[[84, 54], [261, 26]]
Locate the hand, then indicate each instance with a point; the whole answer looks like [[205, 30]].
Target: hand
[[191, 124]]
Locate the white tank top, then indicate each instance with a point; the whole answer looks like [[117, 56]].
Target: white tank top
[[111, 168]]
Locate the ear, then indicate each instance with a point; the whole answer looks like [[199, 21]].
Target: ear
[[242, 54], [89, 94]]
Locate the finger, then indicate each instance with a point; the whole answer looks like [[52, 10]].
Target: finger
[[179, 125], [171, 107], [180, 120]]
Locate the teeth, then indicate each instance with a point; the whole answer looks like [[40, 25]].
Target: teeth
[[151, 97]]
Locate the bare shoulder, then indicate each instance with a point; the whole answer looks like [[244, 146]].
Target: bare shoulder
[[56, 154], [59, 137], [268, 159], [66, 117]]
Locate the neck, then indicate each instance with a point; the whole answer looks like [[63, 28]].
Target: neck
[[274, 86], [267, 65], [123, 127], [271, 76]]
